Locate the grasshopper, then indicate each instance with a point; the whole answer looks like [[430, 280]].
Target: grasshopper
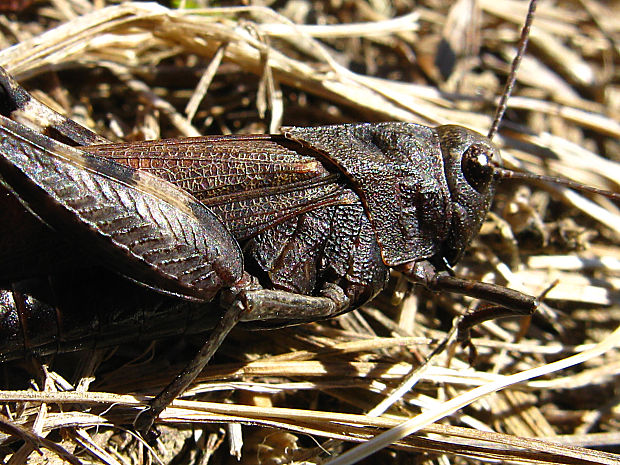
[[279, 229], [321, 230]]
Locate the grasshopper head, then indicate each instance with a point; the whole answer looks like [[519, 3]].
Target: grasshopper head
[[470, 162]]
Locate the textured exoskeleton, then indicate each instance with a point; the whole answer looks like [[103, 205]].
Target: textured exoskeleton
[[285, 228]]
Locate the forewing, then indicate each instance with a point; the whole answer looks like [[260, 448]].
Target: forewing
[[250, 182]]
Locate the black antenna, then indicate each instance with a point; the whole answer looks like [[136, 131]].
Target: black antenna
[[512, 76], [502, 173]]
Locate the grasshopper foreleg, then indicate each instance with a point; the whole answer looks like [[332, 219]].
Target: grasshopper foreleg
[[508, 302]]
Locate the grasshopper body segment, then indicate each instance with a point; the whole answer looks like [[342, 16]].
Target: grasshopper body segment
[[90, 308], [411, 182]]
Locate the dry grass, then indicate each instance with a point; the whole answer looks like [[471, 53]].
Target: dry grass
[[136, 70]]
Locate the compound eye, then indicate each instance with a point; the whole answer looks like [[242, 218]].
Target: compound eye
[[477, 167]]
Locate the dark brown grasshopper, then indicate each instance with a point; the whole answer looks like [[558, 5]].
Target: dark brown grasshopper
[[282, 229], [309, 211]]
